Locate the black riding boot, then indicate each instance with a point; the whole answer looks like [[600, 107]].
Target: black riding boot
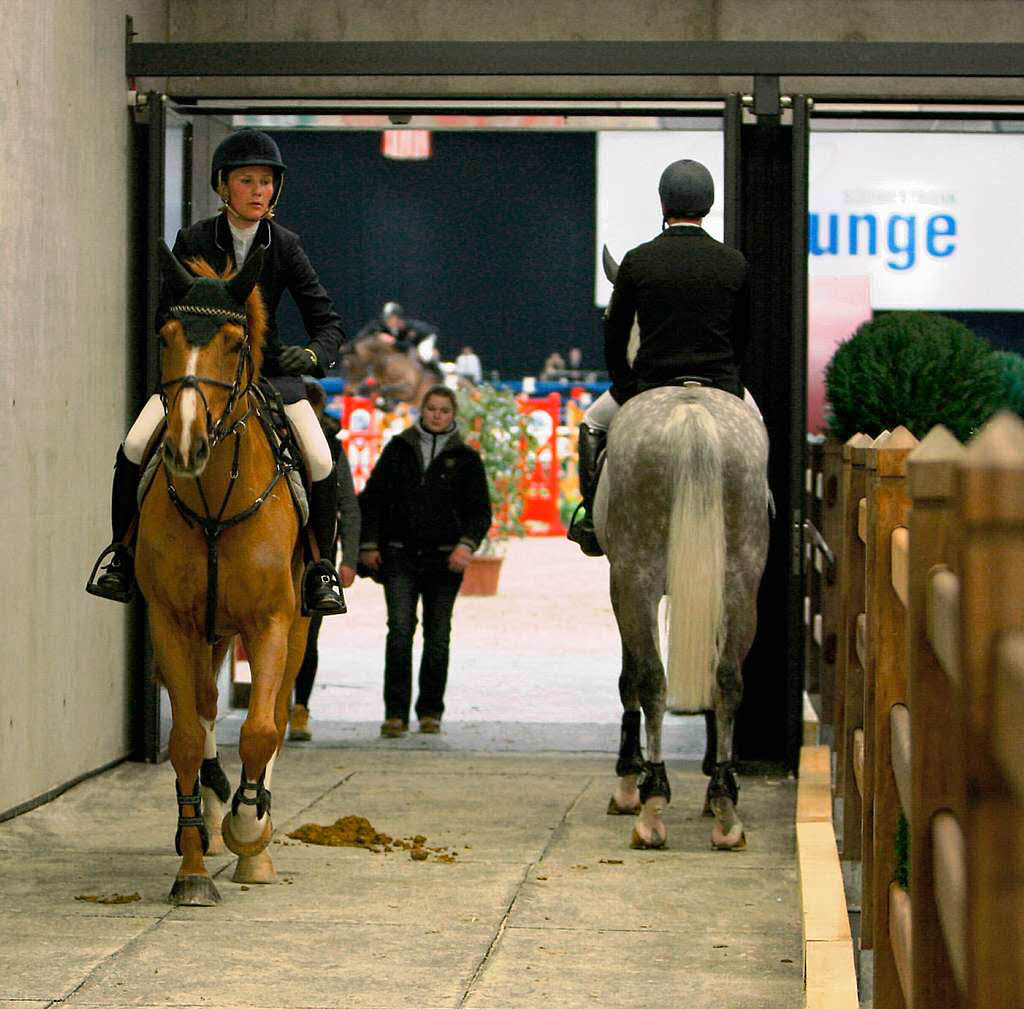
[[581, 529], [321, 589], [118, 579]]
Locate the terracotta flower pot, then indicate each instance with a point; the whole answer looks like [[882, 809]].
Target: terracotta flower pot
[[481, 577]]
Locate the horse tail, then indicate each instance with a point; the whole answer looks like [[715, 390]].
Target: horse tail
[[695, 565]]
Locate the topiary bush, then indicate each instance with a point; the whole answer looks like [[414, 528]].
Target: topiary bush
[[917, 369], [1012, 370]]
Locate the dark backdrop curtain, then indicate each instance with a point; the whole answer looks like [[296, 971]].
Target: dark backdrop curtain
[[492, 239]]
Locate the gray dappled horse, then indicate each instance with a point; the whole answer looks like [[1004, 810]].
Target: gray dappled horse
[[682, 509]]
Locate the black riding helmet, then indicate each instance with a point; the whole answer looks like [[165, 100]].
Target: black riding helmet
[[686, 189], [246, 147]]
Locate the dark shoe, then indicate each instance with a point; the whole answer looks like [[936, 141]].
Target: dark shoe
[[429, 725], [581, 531], [321, 590], [392, 728], [117, 581]]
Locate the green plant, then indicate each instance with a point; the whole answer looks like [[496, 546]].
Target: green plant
[[917, 369], [1012, 370], [492, 424]]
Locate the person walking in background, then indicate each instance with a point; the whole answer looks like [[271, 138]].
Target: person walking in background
[[348, 533], [425, 509], [467, 366]]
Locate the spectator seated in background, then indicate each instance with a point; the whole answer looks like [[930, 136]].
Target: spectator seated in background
[[467, 366], [554, 367]]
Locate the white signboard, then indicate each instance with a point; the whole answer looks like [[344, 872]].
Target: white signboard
[[931, 219]]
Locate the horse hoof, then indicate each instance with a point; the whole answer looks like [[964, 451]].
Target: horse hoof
[[656, 840], [255, 869], [193, 891], [735, 840], [216, 845], [614, 809], [246, 848]]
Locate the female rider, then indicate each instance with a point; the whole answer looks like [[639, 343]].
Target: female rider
[[247, 173]]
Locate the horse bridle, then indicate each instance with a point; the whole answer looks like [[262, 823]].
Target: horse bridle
[[213, 525], [196, 382]]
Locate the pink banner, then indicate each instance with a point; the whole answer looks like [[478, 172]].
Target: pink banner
[[836, 306]]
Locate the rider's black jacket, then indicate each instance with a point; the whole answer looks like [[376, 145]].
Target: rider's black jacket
[[425, 510], [286, 267], [688, 293]]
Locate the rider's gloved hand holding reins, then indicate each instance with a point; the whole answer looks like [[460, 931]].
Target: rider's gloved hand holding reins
[[298, 360]]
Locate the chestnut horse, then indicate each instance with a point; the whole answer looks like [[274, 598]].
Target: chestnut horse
[[401, 376], [218, 554]]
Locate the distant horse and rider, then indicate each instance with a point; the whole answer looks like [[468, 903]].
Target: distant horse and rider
[[398, 375], [391, 358]]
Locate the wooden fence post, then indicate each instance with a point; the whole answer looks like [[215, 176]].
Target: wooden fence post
[[867, 722], [992, 605], [888, 505], [832, 530], [935, 706], [851, 604]]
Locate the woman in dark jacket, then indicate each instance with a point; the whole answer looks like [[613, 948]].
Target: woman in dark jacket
[[247, 173], [425, 509]]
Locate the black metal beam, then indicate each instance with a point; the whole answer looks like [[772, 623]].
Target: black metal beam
[[574, 59]]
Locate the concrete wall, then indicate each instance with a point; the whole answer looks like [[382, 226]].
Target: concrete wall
[[65, 271], [579, 20]]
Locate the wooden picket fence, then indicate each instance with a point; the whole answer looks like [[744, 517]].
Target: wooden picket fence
[[915, 647]]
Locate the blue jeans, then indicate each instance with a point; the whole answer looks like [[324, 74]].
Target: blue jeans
[[407, 578]]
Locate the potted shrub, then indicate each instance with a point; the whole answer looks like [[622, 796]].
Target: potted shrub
[[917, 369], [491, 423]]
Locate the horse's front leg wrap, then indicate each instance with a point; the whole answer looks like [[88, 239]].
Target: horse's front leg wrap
[[631, 757], [654, 781], [723, 784], [261, 799], [195, 820], [727, 834], [212, 776]]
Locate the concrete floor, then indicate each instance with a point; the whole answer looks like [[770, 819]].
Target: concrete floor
[[544, 904]]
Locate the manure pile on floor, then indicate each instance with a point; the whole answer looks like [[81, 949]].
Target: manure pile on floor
[[358, 832]]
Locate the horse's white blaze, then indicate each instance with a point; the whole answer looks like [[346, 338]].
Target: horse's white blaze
[[189, 399], [696, 566]]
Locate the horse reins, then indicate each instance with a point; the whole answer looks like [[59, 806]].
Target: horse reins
[[213, 525]]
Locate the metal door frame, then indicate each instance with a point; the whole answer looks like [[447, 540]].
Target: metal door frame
[[765, 62]]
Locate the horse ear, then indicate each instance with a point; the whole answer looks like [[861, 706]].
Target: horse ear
[[240, 286], [611, 268], [178, 278]]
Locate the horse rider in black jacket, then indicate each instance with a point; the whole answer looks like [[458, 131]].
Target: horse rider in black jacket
[[425, 510], [248, 174], [688, 296]]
